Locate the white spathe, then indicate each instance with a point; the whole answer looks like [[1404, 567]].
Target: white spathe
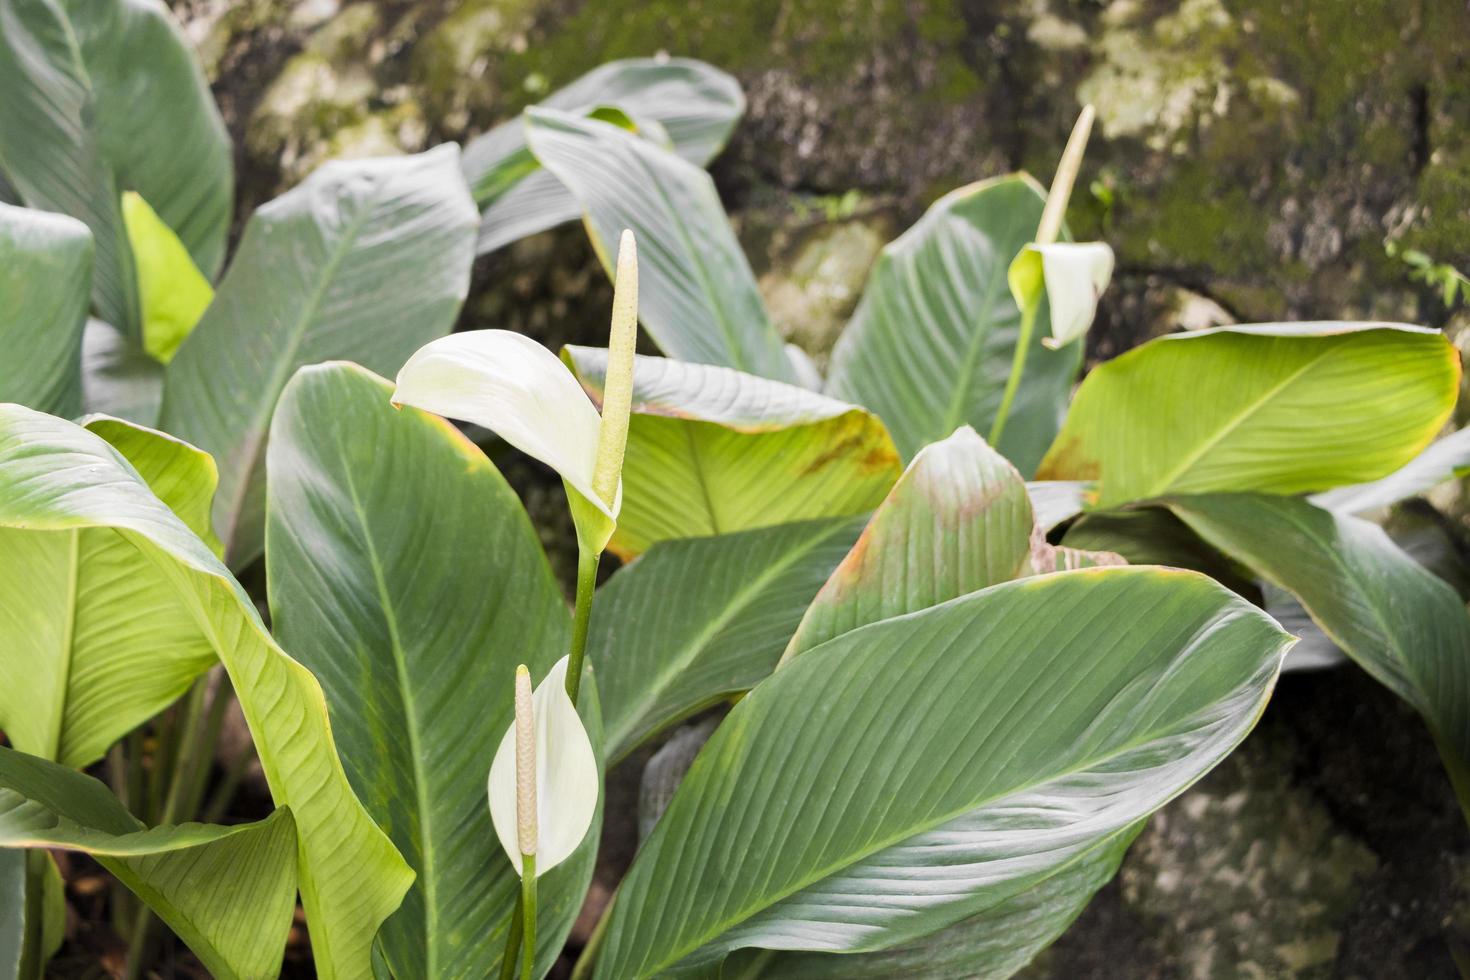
[[1074, 276], [519, 390], [567, 783]]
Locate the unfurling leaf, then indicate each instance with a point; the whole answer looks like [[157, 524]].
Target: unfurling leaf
[[172, 291]]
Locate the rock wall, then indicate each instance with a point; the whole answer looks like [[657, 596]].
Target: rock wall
[[1255, 160]]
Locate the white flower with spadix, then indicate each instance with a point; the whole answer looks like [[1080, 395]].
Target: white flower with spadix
[[1072, 275], [543, 782], [519, 390]]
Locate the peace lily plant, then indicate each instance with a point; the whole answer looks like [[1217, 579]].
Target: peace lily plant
[[998, 657], [518, 389]]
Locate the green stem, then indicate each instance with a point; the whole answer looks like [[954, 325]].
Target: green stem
[[1018, 368], [512, 952], [193, 742], [588, 960], [528, 909], [586, 582]]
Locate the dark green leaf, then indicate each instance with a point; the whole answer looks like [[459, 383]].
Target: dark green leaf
[[698, 298], [406, 573], [694, 104], [916, 772], [45, 278], [102, 97], [697, 620], [934, 338], [1394, 618], [366, 260]]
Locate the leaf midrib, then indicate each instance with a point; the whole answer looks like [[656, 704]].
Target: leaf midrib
[[390, 617], [68, 641], [822, 874], [1232, 423], [962, 384]]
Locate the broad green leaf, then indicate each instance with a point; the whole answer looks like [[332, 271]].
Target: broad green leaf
[[1397, 620], [957, 521], [934, 338], [98, 641], [694, 104], [406, 573], [994, 944], [172, 292], [45, 276], [699, 298], [712, 451], [118, 376], [178, 474], [228, 892], [1445, 459], [366, 260], [102, 97], [1156, 537], [916, 772], [1280, 408], [695, 621], [59, 483]]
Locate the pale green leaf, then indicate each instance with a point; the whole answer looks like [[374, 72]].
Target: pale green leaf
[[712, 451], [934, 338], [1444, 459], [699, 298], [916, 772], [414, 623], [1280, 408], [172, 292], [45, 278], [99, 642], [366, 260], [60, 483], [228, 892], [103, 97]]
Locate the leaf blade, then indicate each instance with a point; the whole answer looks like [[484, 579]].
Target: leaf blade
[[410, 647], [367, 260], [810, 819], [1282, 408]]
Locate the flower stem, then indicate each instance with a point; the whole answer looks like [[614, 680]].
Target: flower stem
[[528, 911], [1018, 368], [512, 952], [587, 560]]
